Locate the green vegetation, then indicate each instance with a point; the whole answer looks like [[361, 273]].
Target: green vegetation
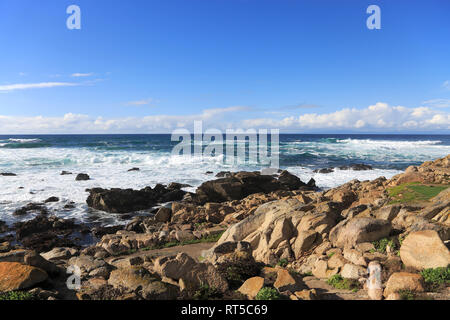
[[331, 254], [307, 274], [206, 292], [233, 274], [268, 293], [382, 244], [410, 295], [282, 263], [338, 282], [16, 295], [407, 295], [414, 192], [436, 278]]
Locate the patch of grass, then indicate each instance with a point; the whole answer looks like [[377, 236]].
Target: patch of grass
[[338, 282], [206, 292], [382, 244], [282, 263], [407, 295], [268, 293], [414, 192], [436, 278], [307, 274], [331, 254], [16, 295]]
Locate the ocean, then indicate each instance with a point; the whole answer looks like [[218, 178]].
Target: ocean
[[38, 161]]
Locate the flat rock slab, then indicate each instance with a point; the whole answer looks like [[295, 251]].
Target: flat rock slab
[[193, 250]]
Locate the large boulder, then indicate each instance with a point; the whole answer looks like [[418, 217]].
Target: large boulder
[[424, 249], [350, 232], [16, 276], [129, 200], [191, 273], [400, 281], [252, 286], [138, 278], [29, 257], [263, 217], [269, 230], [241, 184]]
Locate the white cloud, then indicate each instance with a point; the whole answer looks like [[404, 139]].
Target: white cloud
[[78, 75], [446, 85], [379, 117], [79, 123], [23, 86], [142, 102], [437, 103]]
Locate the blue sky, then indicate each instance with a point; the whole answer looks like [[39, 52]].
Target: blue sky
[[151, 66]]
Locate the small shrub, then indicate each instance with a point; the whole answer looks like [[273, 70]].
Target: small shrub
[[206, 292], [16, 295], [382, 244], [282, 263], [407, 295], [436, 278], [338, 282], [268, 293]]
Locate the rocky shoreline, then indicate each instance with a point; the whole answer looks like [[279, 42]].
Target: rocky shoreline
[[243, 236]]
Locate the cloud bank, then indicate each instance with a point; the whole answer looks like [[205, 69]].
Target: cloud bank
[[377, 118], [40, 85]]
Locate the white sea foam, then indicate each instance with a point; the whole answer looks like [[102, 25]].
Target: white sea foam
[[38, 170]]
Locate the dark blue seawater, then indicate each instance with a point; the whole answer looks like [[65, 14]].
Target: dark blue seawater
[[317, 150], [39, 159]]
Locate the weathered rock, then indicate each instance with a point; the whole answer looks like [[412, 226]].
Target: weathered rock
[[138, 278], [424, 249], [336, 261], [86, 263], [184, 235], [251, 287], [241, 184], [286, 282], [82, 177], [324, 170], [310, 294], [351, 271], [28, 257], [303, 242], [404, 281], [357, 167], [163, 215], [174, 266], [193, 274], [283, 230], [52, 199], [321, 271], [38, 208], [16, 276], [129, 200], [7, 174], [59, 253], [355, 257], [388, 212], [350, 232]]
